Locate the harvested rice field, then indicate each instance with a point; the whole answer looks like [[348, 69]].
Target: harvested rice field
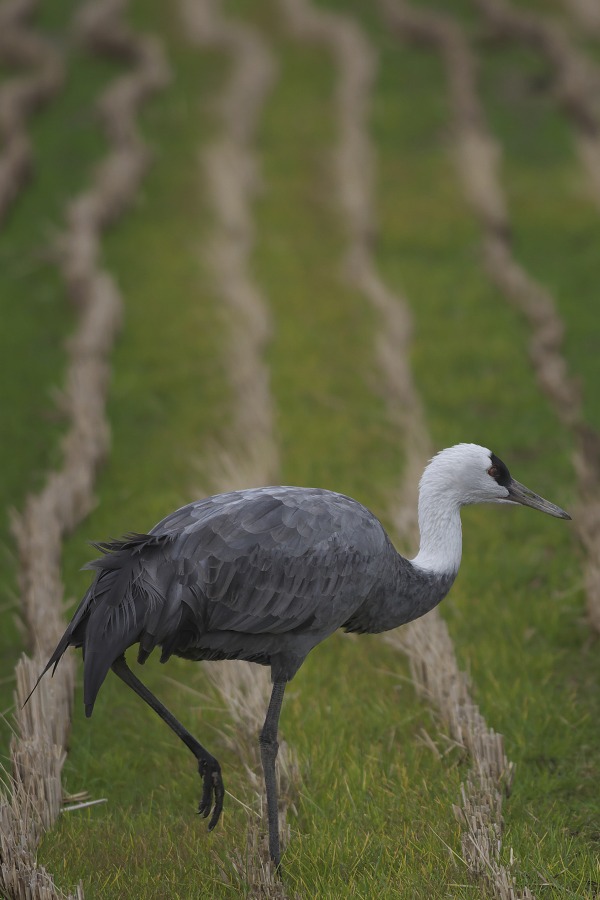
[[304, 242]]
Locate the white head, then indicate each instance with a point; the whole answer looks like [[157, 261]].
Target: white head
[[462, 475], [468, 473], [459, 476]]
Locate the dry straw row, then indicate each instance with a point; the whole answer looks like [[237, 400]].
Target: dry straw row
[[478, 157], [586, 13], [20, 96], [230, 173], [27, 806], [576, 81], [576, 89], [33, 797], [426, 642]]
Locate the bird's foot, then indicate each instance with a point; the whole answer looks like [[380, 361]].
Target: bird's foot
[[213, 791]]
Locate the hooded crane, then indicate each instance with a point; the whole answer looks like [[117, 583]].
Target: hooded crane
[[265, 575]]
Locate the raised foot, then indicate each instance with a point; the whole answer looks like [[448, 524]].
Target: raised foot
[[213, 791]]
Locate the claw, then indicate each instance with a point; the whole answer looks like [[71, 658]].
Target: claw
[[212, 791]]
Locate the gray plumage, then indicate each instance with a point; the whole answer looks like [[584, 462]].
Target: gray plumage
[[262, 575], [265, 575]]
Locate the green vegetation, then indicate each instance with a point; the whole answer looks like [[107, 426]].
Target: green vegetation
[[516, 615], [37, 315], [375, 811]]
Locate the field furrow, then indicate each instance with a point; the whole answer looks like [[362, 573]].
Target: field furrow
[[22, 46], [426, 642], [574, 89], [312, 285], [249, 454], [477, 157], [586, 13], [42, 726], [574, 77]]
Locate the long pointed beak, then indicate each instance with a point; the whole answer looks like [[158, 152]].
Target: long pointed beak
[[518, 493]]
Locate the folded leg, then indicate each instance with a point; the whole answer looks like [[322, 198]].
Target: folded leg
[[210, 770]]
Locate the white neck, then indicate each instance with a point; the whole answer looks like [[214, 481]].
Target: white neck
[[440, 549]]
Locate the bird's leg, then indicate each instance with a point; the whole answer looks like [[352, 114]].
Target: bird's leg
[[209, 768], [268, 754]]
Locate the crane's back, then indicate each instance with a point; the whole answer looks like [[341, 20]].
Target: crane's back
[[262, 574]]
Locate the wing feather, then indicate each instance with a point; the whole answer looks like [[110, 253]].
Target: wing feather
[[271, 560]]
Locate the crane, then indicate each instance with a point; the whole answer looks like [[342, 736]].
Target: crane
[[265, 575]]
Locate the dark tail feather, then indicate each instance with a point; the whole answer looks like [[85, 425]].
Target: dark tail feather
[[53, 661], [116, 620], [97, 661], [107, 621], [114, 624], [103, 646], [66, 640]]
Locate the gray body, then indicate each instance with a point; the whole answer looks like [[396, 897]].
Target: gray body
[[265, 575], [262, 575]]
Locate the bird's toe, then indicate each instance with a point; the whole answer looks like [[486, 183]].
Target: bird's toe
[[213, 791]]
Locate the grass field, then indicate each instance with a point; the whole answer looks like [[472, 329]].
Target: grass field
[[67, 143], [373, 816]]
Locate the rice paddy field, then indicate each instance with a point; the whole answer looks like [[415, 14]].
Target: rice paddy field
[[291, 139]]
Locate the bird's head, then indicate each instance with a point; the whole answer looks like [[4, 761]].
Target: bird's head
[[468, 473]]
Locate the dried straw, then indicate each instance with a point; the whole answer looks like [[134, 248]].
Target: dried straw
[[22, 95], [586, 13], [576, 84], [231, 173], [33, 797], [426, 642]]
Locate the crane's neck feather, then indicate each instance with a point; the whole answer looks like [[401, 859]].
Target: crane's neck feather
[[440, 547]]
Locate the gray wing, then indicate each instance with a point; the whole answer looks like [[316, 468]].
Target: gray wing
[[261, 575], [267, 560]]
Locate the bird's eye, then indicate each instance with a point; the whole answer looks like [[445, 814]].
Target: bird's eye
[[494, 471]]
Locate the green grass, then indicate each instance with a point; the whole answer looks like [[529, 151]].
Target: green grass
[[355, 837], [556, 226], [375, 809], [37, 315], [168, 395], [544, 190], [107, 749], [516, 612]]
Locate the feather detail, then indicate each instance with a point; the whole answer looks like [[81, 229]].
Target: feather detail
[[261, 575]]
